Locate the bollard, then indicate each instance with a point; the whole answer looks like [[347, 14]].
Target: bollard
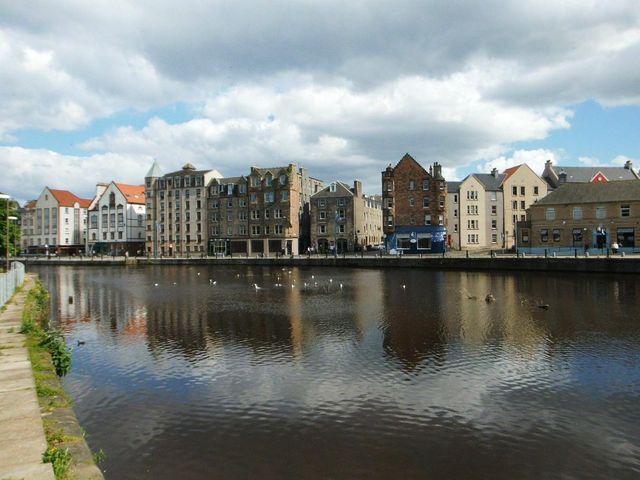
[[553, 254], [467, 253], [622, 254], [575, 253], [586, 254]]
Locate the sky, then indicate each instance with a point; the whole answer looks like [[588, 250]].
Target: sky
[[95, 91]]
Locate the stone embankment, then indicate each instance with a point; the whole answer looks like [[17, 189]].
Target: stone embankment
[[34, 409], [593, 264]]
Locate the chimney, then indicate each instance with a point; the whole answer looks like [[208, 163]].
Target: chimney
[[548, 164], [357, 188], [628, 165], [494, 172], [437, 171], [100, 188]]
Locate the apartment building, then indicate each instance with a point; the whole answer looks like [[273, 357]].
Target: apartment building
[[343, 219], [414, 207], [585, 215], [117, 220], [265, 212], [521, 188], [452, 207], [56, 222], [176, 210]]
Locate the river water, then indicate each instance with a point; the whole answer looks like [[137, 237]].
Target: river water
[[194, 373]]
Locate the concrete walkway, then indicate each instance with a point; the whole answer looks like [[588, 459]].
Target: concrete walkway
[[22, 440]]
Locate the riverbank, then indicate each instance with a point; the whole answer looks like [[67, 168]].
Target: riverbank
[[37, 420], [629, 264]]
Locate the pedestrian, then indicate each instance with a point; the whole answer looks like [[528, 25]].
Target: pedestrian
[[615, 247], [586, 248]]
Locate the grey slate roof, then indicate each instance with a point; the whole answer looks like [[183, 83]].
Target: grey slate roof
[[570, 193], [227, 180], [491, 183], [342, 190], [585, 174], [155, 171], [453, 187]]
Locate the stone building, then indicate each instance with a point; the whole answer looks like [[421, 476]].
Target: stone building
[[343, 219], [414, 207], [583, 215], [176, 211], [452, 208], [55, 223], [556, 176], [117, 220], [265, 212]]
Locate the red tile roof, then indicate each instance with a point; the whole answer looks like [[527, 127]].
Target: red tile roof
[[67, 199], [510, 171], [133, 193]]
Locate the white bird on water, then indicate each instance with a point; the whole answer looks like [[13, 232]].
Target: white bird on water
[[404, 287], [155, 284], [255, 285], [198, 273]]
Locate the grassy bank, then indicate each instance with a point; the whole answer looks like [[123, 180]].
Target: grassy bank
[[51, 359]]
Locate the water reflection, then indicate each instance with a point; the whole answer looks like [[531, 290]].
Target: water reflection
[[352, 373]]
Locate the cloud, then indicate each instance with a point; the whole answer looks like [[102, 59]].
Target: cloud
[[534, 158]]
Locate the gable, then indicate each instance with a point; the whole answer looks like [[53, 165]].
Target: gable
[[599, 177]]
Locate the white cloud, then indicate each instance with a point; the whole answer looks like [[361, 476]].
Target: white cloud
[[533, 158]]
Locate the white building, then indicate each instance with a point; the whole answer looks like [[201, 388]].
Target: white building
[[117, 220], [57, 223]]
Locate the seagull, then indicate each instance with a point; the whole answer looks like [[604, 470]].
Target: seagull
[[293, 286], [331, 280], [404, 287], [174, 283], [257, 287], [198, 273], [340, 286], [312, 277], [155, 284]]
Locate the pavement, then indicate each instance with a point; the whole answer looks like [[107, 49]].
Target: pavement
[[22, 440]]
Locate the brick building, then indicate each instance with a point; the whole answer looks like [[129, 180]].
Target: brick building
[[413, 202]]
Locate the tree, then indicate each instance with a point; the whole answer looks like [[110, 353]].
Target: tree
[[14, 228]]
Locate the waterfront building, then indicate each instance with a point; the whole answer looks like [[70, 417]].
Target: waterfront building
[[265, 212], [56, 222], [583, 215], [452, 208], [345, 219], [27, 224], [117, 220], [414, 207], [556, 176], [176, 210], [521, 188], [480, 211]]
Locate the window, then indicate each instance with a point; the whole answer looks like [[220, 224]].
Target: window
[[412, 185], [285, 196], [341, 202], [425, 202], [229, 203], [425, 185], [544, 235], [550, 214], [625, 210], [455, 212], [472, 209], [255, 181], [283, 179], [322, 215], [535, 190], [626, 237], [577, 213], [601, 212], [494, 238], [242, 215], [472, 224], [577, 236], [255, 229], [341, 228], [254, 198], [494, 209], [522, 190], [411, 202], [269, 197], [522, 205], [427, 219], [277, 229], [473, 238], [494, 224], [514, 204], [472, 195], [255, 214], [266, 213], [322, 229], [514, 190], [268, 180], [242, 230], [389, 220], [556, 234], [388, 186], [242, 188], [242, 202], [266, 230], [494, 196]]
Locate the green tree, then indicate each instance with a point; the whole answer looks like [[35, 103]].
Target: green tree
[[14, 228]]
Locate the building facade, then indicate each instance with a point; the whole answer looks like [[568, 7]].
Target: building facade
[[413, 207], [117, 220], [263, 213], [343, 219], [586, 216], [521, 188], [56, 222], [176, 209]]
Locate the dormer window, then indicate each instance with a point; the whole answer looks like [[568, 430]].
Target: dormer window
[[283, 179], [332, 187]]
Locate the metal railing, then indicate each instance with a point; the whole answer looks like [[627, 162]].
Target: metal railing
[[10, 281]]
